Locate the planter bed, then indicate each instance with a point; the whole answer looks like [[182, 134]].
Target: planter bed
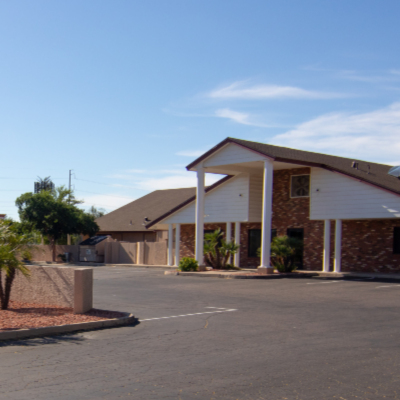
[[27, 315], [26, 320]]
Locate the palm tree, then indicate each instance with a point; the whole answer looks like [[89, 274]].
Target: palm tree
[[284, 250], [13, 248], [217, 251]]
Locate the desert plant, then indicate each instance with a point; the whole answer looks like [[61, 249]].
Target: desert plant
[[284, 250], [188, 264], [217, 251], [14, 247]]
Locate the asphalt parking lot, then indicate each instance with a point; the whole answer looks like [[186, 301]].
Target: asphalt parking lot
[[210, 338]]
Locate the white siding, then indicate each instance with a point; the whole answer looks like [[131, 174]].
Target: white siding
[[232, 154], [223, 204], [255, 198], [341, 197]]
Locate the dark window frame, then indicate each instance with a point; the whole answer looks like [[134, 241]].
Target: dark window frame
[[250, 253], [292, 196]]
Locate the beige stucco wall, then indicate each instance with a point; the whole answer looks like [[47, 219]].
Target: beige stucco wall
[[149, 253], [44, 252], [46, 285], [56, 286]]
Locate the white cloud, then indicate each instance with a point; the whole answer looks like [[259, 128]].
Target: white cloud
[[373, 135], [238, 90], [236, 116], [190, 153]]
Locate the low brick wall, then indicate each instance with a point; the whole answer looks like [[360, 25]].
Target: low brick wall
[[56, 286]]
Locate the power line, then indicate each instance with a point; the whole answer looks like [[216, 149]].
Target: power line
[[106, 184], [108, 195]]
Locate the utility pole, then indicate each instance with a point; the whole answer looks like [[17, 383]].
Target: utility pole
[[69, 187]]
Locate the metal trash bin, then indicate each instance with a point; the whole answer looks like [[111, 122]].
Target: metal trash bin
[[67, 255]]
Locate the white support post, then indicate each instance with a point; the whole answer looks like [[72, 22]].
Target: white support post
[[237, 241], [327, 245], [177, 243], [170, 240], [200, 216], [338, 246], [228, 236], [266, 218]]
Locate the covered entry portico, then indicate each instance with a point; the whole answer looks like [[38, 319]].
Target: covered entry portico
[[260, 195], [290, 191]]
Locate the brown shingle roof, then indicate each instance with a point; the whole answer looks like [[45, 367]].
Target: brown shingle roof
[[151, 206], [377, 176], [155, 206]]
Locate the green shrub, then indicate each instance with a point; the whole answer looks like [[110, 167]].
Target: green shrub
[[284, 250], [188, 264]]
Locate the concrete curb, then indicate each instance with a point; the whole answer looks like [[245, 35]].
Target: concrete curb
[[234, 276], [128, 319], [89, 264]]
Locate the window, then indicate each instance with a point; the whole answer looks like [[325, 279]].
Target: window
[[300, 186], [255, 241], [396, 240], [297, 233]]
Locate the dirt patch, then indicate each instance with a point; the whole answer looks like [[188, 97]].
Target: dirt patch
[[27, 315]]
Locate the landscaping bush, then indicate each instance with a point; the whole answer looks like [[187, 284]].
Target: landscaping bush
[[217, 251], [284, 250], [188, 264]]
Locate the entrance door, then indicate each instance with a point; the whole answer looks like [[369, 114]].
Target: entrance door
[[297, 233]]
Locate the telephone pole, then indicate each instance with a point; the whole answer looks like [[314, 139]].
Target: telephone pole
[[69, 196]]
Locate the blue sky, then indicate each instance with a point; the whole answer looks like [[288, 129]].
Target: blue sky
[[126, 93]]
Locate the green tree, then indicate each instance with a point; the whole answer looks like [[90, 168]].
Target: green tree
[[217, 251], [54, 214], [13, 248]]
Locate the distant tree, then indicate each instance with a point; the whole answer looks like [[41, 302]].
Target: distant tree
[[13, 248], [44, 184], [97, 212], [55, 214]]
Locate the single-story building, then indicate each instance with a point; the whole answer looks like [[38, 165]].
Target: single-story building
[[346, 211]]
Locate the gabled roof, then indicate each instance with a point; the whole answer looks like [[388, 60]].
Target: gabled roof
[[157, 204], [373, 173], [130, 218]]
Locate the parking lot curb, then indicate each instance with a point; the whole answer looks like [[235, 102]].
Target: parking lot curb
[[127, 319], [243, 276]]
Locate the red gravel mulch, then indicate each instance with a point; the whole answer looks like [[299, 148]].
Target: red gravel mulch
[[27, 315]]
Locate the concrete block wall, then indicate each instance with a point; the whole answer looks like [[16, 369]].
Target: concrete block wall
[[56, 286], [44, 252], [148, 253]]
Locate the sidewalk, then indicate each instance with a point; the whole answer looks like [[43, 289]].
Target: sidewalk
[[252, 274]]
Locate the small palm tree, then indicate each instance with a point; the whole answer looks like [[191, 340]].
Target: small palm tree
[[284, 250], [217, 251], [13, 248]]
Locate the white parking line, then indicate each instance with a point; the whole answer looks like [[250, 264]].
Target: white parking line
[[321, 283], [188, 315]]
